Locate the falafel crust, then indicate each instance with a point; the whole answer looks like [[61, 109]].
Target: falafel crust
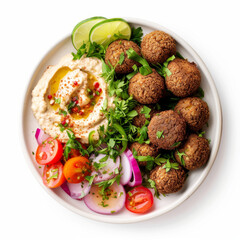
[[144, 150], [114, 51], [168, 182], [196, 151], [147, 89], [140, 119], [172, 126], [185, 78], [157, 47], [194, 110]]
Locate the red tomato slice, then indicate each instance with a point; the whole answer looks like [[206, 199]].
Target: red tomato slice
[[76, 169], [49, 152], [139, 200], [53, 175]]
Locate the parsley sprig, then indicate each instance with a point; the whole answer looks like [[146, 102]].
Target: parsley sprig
[[136, 35], [145, 69], [72, 143], [91, 50]]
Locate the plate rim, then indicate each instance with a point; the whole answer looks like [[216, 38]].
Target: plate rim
[[214, 152]]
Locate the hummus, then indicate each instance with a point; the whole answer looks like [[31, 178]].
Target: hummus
[[71, 94]]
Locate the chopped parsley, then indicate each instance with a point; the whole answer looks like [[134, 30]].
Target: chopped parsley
[[201, 134], [199, 93], [176, 144], [57, 100], [121, 58], [62, 112], [72, 143], [90, 179], [169, 165], [145, 69], [160, 134], [162, 69], [62, 127], [136, 35], [180, 155], [146, 111], [91, 50]]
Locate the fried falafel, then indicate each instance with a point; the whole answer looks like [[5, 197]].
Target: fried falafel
[[194, 153], [114, 51], [157, 47], [147, 89], [167, 130], [195, 112]]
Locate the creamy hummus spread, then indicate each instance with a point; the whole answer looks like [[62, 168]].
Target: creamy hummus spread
[[71, 94]]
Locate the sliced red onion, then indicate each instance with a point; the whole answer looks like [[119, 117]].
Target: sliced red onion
[[126, 170], [113, 204], [76, 190], [106, 172], [137, 176], [65, 188], [40, 136], [79, 190]]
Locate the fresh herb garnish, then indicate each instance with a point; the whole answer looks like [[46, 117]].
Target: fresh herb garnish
[[169, 165], [70, 106], [106, 184], [160, 134], [146, 111], [136, 35], [54, 176], [62, 112], [199, 93], [91, 50], [162, 69], [57, 100], [180, 155], [121, 58], [201, 134], [145, 69], [178, 55], [72, 143], [176, 144], [90, 179], [62, 127]]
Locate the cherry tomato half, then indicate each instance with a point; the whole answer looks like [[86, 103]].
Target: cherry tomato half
[[139, 200], [49, 152], [76, 169], [53, 175]]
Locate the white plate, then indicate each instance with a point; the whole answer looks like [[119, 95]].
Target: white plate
[[29, 124]]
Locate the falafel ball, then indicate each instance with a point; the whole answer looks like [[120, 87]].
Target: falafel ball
[[168, 182], [194, 110], [147, 89], [157, 47], [185, 78], [194, 153], [144, 150], [115, 49], [167, 130], [140, 119]]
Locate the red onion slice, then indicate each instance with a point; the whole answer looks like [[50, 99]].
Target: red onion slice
[[76, 190], [107, 172], [79, 190], [65, 188], [40, 136], [126, 170], [113, 204], [137, 176]]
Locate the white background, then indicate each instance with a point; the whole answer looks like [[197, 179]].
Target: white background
[[29, 29]]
